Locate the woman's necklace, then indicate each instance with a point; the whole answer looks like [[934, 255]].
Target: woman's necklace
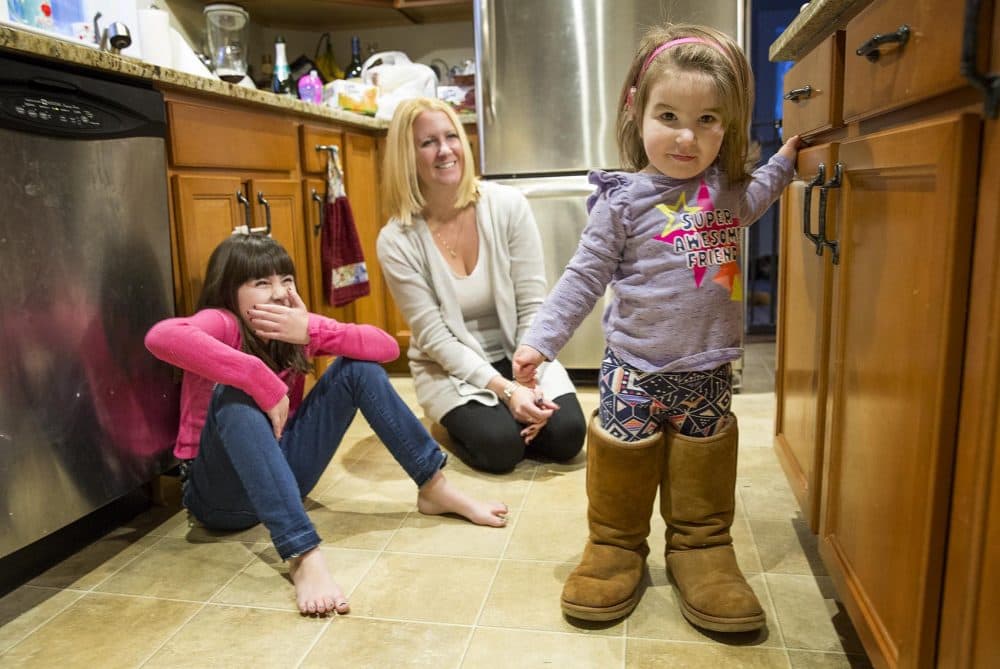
[[453, 251]]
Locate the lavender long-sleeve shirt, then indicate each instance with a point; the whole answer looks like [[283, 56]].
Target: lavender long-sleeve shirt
[[670, 248]]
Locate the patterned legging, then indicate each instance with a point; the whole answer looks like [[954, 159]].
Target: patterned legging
[[636, 404]]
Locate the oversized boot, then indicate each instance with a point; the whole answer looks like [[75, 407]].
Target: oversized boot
[[622, 478], [697, 500]]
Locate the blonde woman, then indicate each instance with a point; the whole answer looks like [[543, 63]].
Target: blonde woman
[[463, 261]]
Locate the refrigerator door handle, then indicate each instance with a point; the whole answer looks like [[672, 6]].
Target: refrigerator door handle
[[485, 43]]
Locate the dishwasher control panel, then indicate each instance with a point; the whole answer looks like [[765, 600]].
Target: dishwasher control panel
[[44, 110]]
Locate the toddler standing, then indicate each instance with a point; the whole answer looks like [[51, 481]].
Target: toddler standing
[[666, 235]]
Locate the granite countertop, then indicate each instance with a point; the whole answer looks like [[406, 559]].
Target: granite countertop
[[53, 48], [815, 21]]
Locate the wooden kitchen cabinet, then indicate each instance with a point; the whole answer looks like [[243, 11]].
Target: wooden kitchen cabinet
[[802, 346], [968, 635], [230, 166], [897, 325], [887, 369], [208, 209]]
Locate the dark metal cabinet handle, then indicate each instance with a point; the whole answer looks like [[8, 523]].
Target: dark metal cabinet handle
[[796, 93], [989, 84], [832, 244], [242, 199], [870, 48], [807, 208], [318, 199], [267, 215]]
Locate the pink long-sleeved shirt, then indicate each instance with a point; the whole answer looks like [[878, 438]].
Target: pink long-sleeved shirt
[[207, 347]]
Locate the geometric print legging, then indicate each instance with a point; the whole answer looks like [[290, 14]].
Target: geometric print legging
[[636, 404]]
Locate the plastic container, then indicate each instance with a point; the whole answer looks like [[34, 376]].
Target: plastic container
[[311, 87]]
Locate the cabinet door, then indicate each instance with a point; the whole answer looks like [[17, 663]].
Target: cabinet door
[[207, 212], [803, 333], [899, 301], [287, 226], [972, 581], [362, 167]]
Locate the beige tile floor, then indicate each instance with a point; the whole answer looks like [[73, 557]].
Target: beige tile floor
[[428, 591]]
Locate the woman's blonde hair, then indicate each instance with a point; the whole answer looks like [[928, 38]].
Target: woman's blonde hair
[[401, 194], [726, 65]]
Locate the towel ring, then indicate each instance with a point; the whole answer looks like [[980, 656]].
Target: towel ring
[[335, 160]]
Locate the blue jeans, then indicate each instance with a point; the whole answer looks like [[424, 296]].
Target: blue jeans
[[242, 475]]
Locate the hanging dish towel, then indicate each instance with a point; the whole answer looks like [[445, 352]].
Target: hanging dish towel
[[345, 276]]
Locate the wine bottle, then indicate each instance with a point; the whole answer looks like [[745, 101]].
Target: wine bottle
[[354, 68], [282, 81]]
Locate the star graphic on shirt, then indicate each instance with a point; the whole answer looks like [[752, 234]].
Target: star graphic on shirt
[[728, 275], [673, 228]]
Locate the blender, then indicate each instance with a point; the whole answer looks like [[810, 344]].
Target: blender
[[226, 26]]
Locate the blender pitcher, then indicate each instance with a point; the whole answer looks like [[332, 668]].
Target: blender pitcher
[[226, 27]]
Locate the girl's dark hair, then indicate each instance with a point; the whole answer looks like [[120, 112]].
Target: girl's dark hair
[[239, 259]]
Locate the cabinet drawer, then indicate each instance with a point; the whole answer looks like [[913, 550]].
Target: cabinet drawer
[[313, 161], [210, 136], [813, 91], [896, 74]]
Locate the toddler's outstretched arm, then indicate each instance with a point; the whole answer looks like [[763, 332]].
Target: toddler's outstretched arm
[[790, 148]]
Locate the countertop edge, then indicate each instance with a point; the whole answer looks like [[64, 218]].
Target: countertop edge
[[810, 24]]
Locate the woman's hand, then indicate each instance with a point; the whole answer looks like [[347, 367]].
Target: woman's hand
[[526, 362], [276, 321], [529, 408], [278, 414]]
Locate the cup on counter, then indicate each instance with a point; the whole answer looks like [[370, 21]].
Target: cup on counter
[[226, 27]]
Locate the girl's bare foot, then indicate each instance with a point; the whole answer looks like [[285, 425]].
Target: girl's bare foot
[[438, 496], [315, 591]]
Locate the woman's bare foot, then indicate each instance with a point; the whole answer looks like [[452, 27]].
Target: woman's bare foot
[[315, 591], [438, 496]]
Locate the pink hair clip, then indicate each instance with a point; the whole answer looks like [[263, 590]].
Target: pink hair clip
[[660, 49]]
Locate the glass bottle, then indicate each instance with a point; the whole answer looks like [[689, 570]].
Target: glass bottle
[[282, 81], [354, 68]]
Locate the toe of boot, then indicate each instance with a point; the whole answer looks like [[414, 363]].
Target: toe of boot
[[713, 592], [605, 585]]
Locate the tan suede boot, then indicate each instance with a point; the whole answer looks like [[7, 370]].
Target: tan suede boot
[[622, 478], [697, 500]]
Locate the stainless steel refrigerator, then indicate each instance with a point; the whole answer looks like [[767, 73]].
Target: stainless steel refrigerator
[[548, 77]]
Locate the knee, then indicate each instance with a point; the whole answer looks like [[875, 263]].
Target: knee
[[566, 439], [360, 371], [566, 432], [495, 452]]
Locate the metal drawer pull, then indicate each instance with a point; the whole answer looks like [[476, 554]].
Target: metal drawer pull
[[870, 48], [242, 199], [796, 93], [833, 244], [807, 208], [318, 199], [267, 216], [988, 84]]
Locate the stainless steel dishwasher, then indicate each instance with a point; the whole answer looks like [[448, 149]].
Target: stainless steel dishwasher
[[86, 414]]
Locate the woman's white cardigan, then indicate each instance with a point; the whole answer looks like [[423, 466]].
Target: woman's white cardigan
[[448, 365]]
